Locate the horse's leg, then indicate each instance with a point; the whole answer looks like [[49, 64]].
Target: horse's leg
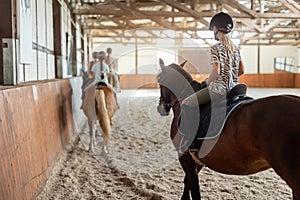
[[186, 189], [92, 135], [283, 157], [103, 117], [294, 197], [191, 170]]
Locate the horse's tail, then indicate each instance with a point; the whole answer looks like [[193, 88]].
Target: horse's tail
[[102, 113], [111, 102]]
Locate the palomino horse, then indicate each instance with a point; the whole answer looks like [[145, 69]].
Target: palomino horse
[[101, 104], [258, 135], [114, 80]]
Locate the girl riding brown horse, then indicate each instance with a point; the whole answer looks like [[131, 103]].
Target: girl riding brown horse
[[262, 134]]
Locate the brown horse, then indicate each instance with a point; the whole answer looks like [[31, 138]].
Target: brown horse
[[101, 104], [262, 134]]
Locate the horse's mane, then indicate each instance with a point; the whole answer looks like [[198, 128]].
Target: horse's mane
[[194, 84], [178, 80], [170, 69], [182, 71]]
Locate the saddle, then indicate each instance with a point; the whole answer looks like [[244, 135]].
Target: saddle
[[100, 85], [237, 93], [208, 121]]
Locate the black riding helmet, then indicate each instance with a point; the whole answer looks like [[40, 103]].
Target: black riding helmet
[[95, 54], [101, 55], [108, 50], [222, 21]]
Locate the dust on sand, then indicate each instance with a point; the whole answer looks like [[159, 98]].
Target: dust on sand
[[142, 163]]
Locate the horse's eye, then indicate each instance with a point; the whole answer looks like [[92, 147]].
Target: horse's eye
[[160, 80]]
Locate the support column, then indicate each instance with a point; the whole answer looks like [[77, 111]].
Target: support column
[[74, 47], [8, 42], [82, 50], [258, 58], [297, 64], [57, 38], [136, 56]]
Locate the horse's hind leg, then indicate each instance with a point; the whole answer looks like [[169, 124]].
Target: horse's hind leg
[[105, 126], [284, 159], [294, 197], [92, 136]]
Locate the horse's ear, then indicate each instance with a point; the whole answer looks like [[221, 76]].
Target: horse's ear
[[182, 64], [161, 63]]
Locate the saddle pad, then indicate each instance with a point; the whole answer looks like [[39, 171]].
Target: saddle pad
[[209, 123]]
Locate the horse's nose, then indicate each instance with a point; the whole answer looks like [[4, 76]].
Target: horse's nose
[[162, 111]]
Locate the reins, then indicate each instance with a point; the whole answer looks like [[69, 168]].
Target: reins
[[162, 101], [179, 99]]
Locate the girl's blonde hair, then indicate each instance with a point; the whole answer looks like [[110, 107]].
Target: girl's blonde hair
[[226, 41]]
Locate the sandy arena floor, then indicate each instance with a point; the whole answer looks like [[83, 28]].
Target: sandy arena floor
[[142, 162]]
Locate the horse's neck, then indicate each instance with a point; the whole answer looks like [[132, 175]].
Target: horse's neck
[[174, 126], [87, 82], [174, 133], [89, 89]]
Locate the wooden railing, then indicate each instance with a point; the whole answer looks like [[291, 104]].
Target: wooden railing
[[284, 80], [36, 122]]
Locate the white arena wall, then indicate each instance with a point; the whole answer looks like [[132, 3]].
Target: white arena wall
[[41, 63], [250, 55], [198, 57]]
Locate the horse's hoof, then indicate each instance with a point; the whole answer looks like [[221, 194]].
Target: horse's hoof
[[105, 151], [91, 150]]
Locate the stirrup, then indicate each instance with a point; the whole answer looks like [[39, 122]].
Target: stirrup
[[194, 155]]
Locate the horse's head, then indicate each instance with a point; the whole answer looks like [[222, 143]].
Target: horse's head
[[86, 78], [84, 74], [174, 84]]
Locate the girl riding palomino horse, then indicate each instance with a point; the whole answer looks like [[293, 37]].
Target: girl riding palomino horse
[[98, 70], [98, 103]]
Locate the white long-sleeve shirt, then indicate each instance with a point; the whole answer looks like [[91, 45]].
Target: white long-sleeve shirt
[[99, 72]]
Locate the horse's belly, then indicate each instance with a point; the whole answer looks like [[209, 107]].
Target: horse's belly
[[236, 167], [232, 160]]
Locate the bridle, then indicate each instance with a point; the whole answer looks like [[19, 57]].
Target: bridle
[[164, 107], [171, 104], [177, 100]]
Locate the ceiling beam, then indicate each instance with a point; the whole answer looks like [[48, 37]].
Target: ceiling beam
[[138, 13], [113, 18], [238, 6], [196, 15], [156, 27], [84, 11], [272, 25], [292, 5]]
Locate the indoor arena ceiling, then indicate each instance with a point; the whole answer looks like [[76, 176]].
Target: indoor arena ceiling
[[272, 22]]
